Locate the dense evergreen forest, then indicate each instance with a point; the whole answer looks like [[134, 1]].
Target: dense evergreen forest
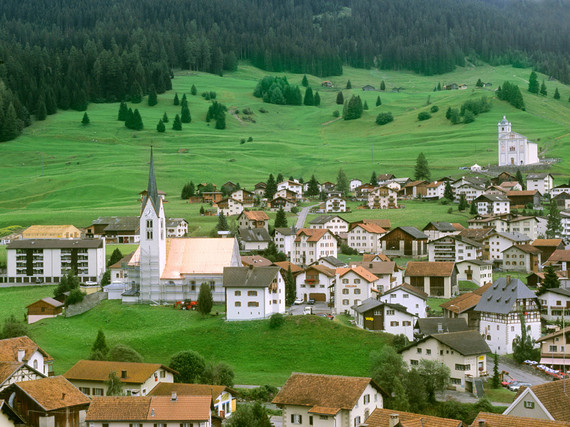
[[64, 54]]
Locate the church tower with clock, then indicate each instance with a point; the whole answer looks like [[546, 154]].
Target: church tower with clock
[[152, 229]]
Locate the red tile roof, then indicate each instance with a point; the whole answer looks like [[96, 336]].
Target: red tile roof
[[9, 349], [487, 419], [53, 393], [256, 215], [314, 234], [559, 255], [547, 242], [286, 264], [426, 268], [97, 370], [371, 228], [552, 395], [381, 418], [361, 271]]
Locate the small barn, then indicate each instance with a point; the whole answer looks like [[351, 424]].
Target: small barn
[[43, 309], [368, 88]]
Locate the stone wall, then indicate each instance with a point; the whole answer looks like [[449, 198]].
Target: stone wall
[[87, 304]]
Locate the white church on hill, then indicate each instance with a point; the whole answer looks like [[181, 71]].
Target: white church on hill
[[169, 270], [514, 148]]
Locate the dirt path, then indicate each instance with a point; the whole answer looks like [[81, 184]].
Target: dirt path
[[330, 121]]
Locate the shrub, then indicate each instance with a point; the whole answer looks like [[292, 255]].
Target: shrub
[[294, 209], [250, 139], [424, 115], [75, 296], [434, 109], [263, 110], [347, 250], [276, 320], [384, 118], [247, 111], [242, 141], [336, 114]]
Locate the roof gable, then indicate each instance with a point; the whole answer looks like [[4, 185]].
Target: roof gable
[[53, 393], [99, 370], [501, 297], [249, 277]]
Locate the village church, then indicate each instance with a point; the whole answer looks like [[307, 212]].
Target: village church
[[166, 270], [514, 148]]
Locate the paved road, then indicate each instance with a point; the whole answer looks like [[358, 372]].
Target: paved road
[[303, 216], [518, 372], [318, 308]]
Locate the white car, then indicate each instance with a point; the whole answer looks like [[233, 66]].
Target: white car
[[298, 301], [308, 310]]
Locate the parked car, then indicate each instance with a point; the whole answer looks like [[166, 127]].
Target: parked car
[[311, 301], [518, 385], [298, 301], [507, 383], [308, 310]]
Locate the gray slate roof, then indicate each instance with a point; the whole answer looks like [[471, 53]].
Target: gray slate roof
[[372, 303], [412, 231], [502, 296], [430, 325], [254, 235], [492, 198], [442, 226], [173, 222], [333, 261], [118, 223], [515, 237], [246, 277], [287, 231], [56, 244], [559, 291], [537, 176], [466, 343], [323, 219]]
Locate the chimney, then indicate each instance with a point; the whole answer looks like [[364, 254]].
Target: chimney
[[394, 420], [439, 328], [481, 423], [123, 374], [152, 412], [174, 397], [250, 266], [62, 396], [21, 354], [508, 279]]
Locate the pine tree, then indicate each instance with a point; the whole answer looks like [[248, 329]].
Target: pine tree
[[496, 380], [177, 124], [448, 192], [202, 210], [130, 119], [123, 112], [378, 101], [280, 178], [9, 124], [85, 120], [100, 344], [448, 113], [439, 86], [556, 94], [137, 120], [189, 190], [193, 90], [309, 99], [291, 287], [152, 98], [165, 118], [479, 83], [280, 219], [551, 280], [313, 187], [183, 100], [543, 90], [553, 225], [317, 100], [520, 179], [305, 82], [365, 106], [473, 208], [185, 114], [222, 223], [270, 188], [221, 121], [533, 83], [340, 98], [342, 182], [462, 203], [422, 168], [176, 100], [41, 112], [205, 299], [348, 85], [382, 86], [136, 93], [374, 179], [160, 126]]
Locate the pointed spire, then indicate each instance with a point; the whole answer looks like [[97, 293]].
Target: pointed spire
[[152, 191]]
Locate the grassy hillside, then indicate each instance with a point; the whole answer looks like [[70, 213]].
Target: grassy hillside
[[259, 355], [60, 172]]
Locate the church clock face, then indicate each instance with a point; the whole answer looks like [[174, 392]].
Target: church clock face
[[147, 212]]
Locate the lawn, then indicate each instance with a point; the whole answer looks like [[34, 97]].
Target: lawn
[[59, 171], [434, 305], [467, 286], [501, 394], [15, 299]]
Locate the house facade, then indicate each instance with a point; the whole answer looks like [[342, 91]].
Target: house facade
[[284, 240], [353, 285], [335, 204], [375, 315], [437, 279], [253, 219], [435, 190], [38, 261], [501, 308], [543, 403], [334, 223], [254, 239], [51, 232], [24, 350], [525, 258], [253, 292], [316, 282], [404, 241], [15, 372], [464, 353], [555, 304], [434, 230], [229, 207], [494, 204], [542, 182], [44, 309], [475, 270], [499, 241], [137, 379], [382, 198], [328, 400], [414, 300], [365, 238], [312, 244], [453, 248]]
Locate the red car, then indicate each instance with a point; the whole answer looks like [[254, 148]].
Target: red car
[[507, 383]]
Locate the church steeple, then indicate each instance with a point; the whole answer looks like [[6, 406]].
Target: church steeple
[[152, 190]]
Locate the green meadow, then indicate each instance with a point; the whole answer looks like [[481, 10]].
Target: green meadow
[[258, 354], [59, 171]]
